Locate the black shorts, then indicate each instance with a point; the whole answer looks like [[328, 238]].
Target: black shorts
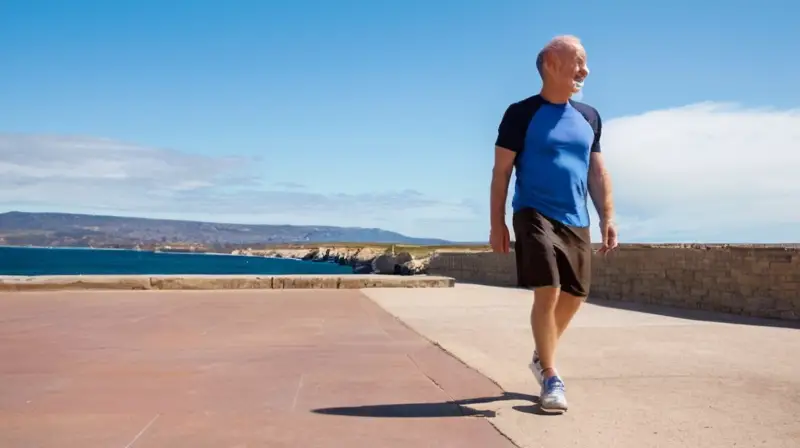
[[550, 253]]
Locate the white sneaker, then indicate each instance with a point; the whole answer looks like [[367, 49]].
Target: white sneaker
[[553, 397], [536, 368]]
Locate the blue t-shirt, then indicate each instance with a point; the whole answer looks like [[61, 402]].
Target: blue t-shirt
[[553, 143]]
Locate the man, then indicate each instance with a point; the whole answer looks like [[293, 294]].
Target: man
[[554, 144]]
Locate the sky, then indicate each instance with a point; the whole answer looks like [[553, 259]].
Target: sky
[[384, 114]]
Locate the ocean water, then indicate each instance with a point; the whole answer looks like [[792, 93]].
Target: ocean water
[[69, 261]]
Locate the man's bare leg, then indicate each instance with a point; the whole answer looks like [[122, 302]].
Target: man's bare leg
[[545, 334], [544, 327], [566, 308]]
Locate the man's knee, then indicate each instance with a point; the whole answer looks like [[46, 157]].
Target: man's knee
[[546, 298], [571, 298]]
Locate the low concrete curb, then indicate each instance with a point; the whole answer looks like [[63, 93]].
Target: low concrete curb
[[211, 282]]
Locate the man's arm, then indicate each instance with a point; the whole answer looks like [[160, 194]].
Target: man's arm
[[501, 175], [510, 140], [600, 187], [599, 179]]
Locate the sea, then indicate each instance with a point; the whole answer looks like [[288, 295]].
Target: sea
[[30, 261]]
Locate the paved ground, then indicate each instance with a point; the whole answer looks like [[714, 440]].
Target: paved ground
[[332, 369], [634, 379], [227, 369]]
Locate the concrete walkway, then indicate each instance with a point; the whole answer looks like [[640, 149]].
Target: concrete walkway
[[299, 369], [634, 379], [330, 368]]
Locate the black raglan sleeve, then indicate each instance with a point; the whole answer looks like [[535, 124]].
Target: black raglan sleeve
[[512, 129], [598, 129]]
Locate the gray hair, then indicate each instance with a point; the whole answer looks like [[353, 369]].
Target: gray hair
[[557, 43]]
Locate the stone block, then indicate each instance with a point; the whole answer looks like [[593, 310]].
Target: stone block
[[391, 281], [305, 282], [210, 282], [63, 282]]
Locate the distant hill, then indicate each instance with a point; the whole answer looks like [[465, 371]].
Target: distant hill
[[74, 230]]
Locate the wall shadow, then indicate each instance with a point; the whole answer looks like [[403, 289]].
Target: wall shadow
[[457, 408], [694, 314], [671, 311]]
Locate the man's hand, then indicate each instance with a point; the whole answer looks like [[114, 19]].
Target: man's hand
[[499, 238], [600, 191], [608, 230], [501, 173]]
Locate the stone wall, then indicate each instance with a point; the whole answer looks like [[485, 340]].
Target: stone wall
[[750, 280]]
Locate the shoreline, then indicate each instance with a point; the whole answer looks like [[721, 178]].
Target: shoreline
[[366, 259]]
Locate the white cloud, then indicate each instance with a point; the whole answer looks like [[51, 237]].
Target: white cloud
[[85, 174], [706, 172]]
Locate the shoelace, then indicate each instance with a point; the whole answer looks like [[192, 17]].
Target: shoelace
[[555, 385]]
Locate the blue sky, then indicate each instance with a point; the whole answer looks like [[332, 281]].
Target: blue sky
[[384, 114]]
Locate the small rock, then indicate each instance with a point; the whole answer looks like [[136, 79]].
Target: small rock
[[362, 269], [383, 264], [402, 258], [415, 267]]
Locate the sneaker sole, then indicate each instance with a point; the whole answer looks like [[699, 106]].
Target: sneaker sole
[[554, 407]]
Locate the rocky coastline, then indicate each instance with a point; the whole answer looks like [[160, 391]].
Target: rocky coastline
[[363, 260]]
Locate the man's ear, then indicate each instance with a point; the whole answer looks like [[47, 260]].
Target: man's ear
[[549, 62]]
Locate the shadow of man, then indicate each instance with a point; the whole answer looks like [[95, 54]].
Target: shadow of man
[[456, 408]]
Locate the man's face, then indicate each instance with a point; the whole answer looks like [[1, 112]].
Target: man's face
[[569, 69]]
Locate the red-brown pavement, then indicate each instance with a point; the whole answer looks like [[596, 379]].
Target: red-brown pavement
[[304, 368]]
